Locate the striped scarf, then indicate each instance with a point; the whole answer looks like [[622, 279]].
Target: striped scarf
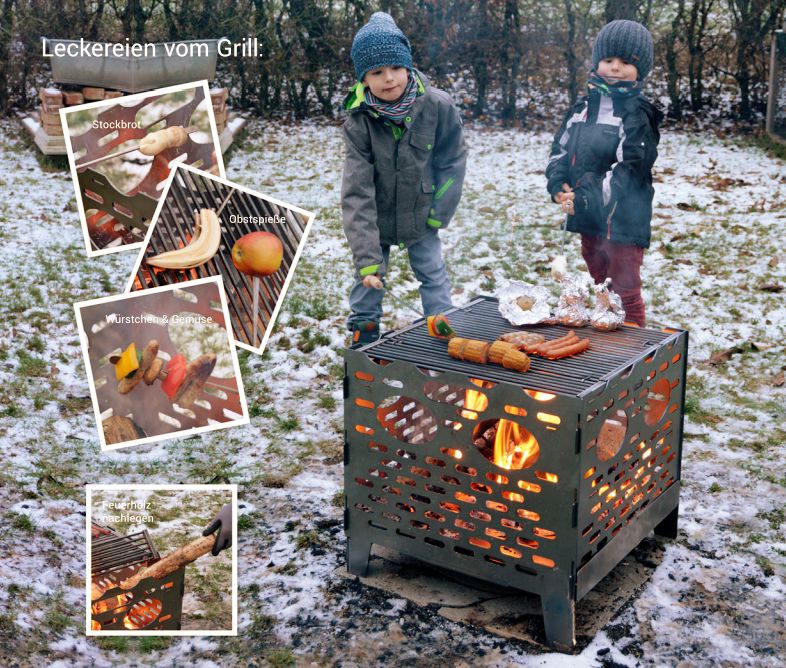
[[612, 88], [398, 110]]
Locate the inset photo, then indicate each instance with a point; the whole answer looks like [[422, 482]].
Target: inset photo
[[161, 560], [208, 226], [161, 363], [120, 151]]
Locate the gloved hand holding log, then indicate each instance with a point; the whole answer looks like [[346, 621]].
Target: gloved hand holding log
[[171, 562]]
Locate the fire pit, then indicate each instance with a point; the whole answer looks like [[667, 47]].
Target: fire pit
[[542, 481], [152, 605], [192, 190]]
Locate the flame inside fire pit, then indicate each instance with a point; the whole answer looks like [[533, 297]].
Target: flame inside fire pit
[[504, 442]]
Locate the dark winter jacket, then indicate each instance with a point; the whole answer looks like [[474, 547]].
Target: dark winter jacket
[[605, 150], [399, 179]]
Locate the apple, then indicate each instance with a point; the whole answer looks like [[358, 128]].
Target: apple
[[258, 253]]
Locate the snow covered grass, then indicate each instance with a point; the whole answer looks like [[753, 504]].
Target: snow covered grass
[[716, 267]]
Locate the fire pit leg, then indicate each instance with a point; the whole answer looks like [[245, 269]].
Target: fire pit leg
[[358, 554], [668, 525], [559, 607]]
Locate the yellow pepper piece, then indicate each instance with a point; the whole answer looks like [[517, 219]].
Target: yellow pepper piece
[[127, 363]]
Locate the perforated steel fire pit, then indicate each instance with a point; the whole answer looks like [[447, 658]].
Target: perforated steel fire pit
[[152, 605], [191, 192], [542, 481]]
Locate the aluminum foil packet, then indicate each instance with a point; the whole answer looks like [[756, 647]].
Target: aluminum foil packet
[[572, 308], [524, 304], [608, 313]]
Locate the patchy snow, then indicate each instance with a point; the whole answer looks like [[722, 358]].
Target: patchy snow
[[714, 267]]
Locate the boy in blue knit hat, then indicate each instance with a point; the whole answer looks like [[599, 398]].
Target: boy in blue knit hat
[[600, 167], [403, 173]]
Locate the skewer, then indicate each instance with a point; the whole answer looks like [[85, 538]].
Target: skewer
[[163, 374], [224, 203], [255, 288], [189, 130]]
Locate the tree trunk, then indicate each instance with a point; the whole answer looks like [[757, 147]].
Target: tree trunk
[[571, 58], [675, 108], [5, 41], [622, 9]]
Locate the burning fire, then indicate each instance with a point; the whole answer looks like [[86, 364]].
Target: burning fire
[[513, 446]]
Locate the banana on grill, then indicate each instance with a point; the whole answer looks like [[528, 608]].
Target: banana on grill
[[203, 246]]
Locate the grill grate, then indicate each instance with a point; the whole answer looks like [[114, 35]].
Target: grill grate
[[189, 192], [112, 552], [609, 352]]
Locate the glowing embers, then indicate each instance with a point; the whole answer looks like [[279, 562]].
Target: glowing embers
[[506, 443], [611, 436], [407, 419], [142, 614], [657, 401]]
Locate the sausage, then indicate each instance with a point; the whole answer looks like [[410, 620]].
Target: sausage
[[149, 355], [544, 348], [152, 373], [522, 340], [156, 142], [568, 350]]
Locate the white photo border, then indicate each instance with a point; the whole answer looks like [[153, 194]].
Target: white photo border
[[64, 111], [310, 216], [183, 433], [150, 486]]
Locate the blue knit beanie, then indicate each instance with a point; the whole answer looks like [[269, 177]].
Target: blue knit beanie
[[380, 43], [628, 40]]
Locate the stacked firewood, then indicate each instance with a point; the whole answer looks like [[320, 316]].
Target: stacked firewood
[[53, 99], [218, 98]]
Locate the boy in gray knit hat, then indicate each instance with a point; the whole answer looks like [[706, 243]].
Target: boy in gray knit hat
[[403, 173], [600, 167]]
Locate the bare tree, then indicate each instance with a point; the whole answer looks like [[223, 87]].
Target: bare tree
[[753, 21], [633, 10], [6, 34], [672, 72], [695, 39], [579, 23]]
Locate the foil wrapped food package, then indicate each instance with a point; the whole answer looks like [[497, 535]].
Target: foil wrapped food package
[[608, 313], [572, 308], [524, 304]]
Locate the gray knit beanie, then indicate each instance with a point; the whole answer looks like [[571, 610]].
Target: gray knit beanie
[[628, 40], [380, 43]]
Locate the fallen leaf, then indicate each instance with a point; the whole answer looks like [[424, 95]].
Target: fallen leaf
[[486, 209], [684, 206], [725, 355], [773, 261], [686, 261], [779, 379], [770, 287]]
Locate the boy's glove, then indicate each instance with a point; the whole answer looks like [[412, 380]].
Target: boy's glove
[[223, 522]]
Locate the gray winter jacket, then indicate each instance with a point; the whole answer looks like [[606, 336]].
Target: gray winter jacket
[[399, 179]]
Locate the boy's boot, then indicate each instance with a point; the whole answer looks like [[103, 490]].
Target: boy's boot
[[363, 333]]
